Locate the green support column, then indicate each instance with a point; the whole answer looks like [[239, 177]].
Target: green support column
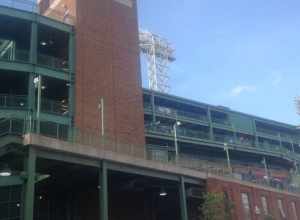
[[103, 191], [29, 185], [255, 133], [71, 61], [211, 129], [33, 61], [31, 102], [183, 203], [33, 43]]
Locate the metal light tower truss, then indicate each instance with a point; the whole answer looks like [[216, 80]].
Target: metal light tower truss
[[159, 54]]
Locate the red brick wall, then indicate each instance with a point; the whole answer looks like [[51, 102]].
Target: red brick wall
[[235, 189], [107, 65]]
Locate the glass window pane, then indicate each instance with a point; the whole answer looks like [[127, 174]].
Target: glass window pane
[[280, 206], [246, 206], [264, 205]]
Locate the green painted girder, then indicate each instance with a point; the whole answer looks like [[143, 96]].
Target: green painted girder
[[30, 68], [16, 66], [11, 181], [33, 17], [76, 159], [55, 118], [13, 113], [68, 158], [54, 73]]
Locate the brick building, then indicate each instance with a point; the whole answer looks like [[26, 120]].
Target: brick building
[[81, 139]]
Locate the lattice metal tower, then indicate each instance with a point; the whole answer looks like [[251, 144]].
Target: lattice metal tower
[[159, 54]]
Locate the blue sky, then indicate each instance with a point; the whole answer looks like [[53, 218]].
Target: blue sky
[[243, 54]]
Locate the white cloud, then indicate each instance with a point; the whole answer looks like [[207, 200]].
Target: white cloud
[[239, 89], [276, 79]]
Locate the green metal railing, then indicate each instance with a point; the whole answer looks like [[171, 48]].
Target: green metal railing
[[54, 107], [43, 60], [13, 101], [53, 62], [20, 102], [16, 56], [177, 113], [220, 121], [12, 126]]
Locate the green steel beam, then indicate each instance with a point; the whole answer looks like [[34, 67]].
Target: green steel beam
[[54, 24], [11, 12], [31, 94], [55, 118], [16, 66], [19, 114], [142, 171], [183, 201], [68, 158], [103, 191], [30, 166], [54, 73], [11, 181], [71, 91], [30, 68], [33, 42]]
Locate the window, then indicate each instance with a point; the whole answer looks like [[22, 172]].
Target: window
[[280, 206], [264, 204], [294, 211], [246, 206]]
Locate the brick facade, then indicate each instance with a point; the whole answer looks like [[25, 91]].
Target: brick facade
[[108, 66], [235, 189]]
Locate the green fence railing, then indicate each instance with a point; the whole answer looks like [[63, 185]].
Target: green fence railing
[[13, 101]]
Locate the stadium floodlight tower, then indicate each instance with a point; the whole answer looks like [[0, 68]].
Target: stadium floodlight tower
[[159, 54]]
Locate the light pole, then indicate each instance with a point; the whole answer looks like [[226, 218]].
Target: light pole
[[226, 149], [176, 124], [264, 162]]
